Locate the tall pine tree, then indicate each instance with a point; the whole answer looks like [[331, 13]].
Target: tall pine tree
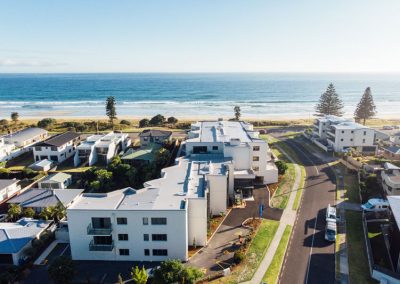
[[329, 103], [110, 110], [366, 107]]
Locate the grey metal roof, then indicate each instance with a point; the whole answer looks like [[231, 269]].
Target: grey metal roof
[[393, 149], [390, 166], [25, 134], [44, 197], [154, 133], [7, 182], [60, 139], [14, 236]]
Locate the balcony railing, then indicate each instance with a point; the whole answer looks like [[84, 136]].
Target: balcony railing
[[101, 247], [331, 133], [99, 231]]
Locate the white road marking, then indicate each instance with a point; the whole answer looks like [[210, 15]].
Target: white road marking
[[312, 245], [305, 155]]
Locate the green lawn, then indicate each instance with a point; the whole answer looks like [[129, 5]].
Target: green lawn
[[281, 195], [358, 261], [351, 191], [272, 273], [299, 192], [255, 254]]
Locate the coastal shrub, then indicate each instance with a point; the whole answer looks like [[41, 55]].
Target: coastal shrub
[[144, 123], [46, 123], [172, 120], [238, 257], [173, 271], [157, 120], [282, 167], [125, 122], [3, 122], [183, 125]]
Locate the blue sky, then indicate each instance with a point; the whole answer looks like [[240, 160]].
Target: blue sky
[[199, 36]]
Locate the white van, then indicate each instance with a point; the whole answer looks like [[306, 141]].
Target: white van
[[375, 205], [330, 214]]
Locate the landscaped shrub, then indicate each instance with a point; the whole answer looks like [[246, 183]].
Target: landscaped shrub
[[46, 123], [282, 167], [157, 120], [144, 123], [172, 120], [238, 257], [125, 122]]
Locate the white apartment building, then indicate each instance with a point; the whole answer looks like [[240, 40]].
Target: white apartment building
[[101, 148], [391, 179], [340, 134], [161, 220], [57, 148], [5, 150]]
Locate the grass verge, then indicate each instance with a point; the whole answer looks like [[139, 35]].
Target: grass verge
[[272, 273], [351, 192], [254, 255], [299, 192], [358, 261]]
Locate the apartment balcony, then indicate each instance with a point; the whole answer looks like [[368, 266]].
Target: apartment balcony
[[331, 134], [101, 247], [99, 231]]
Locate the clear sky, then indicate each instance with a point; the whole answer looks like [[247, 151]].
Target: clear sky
[[200, 36]]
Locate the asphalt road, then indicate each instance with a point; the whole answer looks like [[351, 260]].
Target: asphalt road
[[309, 258]]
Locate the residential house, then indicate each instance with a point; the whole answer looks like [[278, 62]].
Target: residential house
[[340, 134], [26, 137], [5, 150], [391, 179], [162, 219], [391, 153], [16, 238], [40, 198], [42, 165], [101, 148], [8, 188], [57, 148], [56, 181], [154, 136], [141, 156], [395, 138]]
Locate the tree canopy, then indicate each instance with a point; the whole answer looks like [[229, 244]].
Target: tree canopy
[[237, 112], [62, 270], [173, 271], [366, 107], [329, 103], [110, 109]]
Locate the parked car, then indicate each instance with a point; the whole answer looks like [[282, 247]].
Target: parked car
[[331, 214], [3, 217], [388, 127], [375, 205], [330, 231]]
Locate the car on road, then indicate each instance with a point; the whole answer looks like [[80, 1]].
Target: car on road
[[375, 205], [331, 214], [330, 231], [3, 217], [387, 127]]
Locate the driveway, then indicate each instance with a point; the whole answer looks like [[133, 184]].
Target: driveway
[[218, 253]]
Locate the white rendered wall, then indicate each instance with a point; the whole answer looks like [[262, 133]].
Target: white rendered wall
[[240, 155], [218, 187], [197, 221], [176, 230]]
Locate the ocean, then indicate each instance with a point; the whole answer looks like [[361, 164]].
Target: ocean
[[260, 95]]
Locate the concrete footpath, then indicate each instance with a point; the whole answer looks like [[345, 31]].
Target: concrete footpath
[[288, 218]]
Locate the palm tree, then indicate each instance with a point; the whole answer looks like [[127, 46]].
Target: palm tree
[[58, 212], [14, 211]]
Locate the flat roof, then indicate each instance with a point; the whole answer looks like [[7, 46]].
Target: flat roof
[[25, 134], [394, 201], [154, 132], [60, 139], [179, 182], [222, 131], [57, 177], [7, 182], [146, 154]]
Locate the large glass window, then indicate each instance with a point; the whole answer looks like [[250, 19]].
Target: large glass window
[[160, 252], [159, 221], [159, 237], [122, 221]]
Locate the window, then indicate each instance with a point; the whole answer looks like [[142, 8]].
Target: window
[[256, 158], [352, 131], [54, 158], [146, 252], [256, 148], [122, 237], [145, 139], [341, 139], [145, 221], [199, 149], [342, 131], [215, 148], [38, 148], [123, 251], [256, 169], [146, 237], [365, 133], [159, 221], [363, 140], [351, 139], [160, 252], [122, 221], [53, 148], [159, 237]]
